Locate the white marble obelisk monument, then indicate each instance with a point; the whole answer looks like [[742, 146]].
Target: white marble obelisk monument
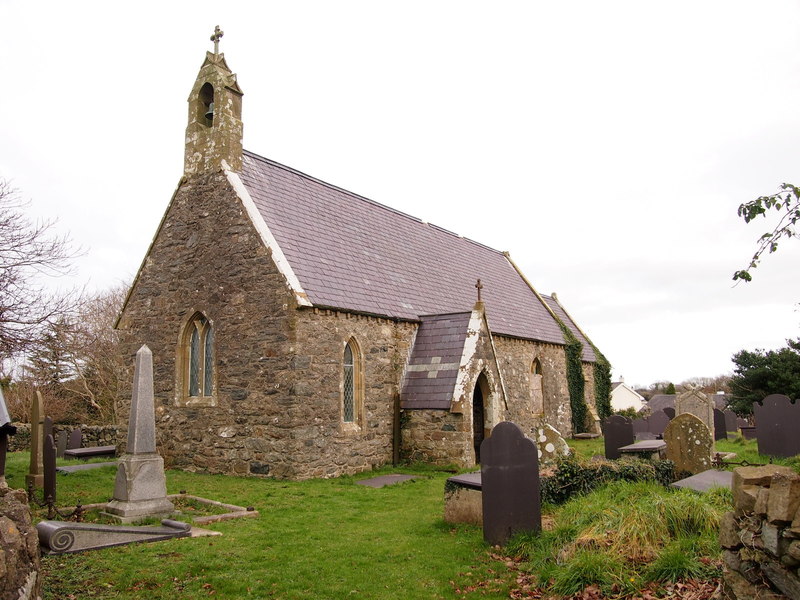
[[140, 490]]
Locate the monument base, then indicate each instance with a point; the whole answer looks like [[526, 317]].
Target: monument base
[[140, 490], [36, 481]]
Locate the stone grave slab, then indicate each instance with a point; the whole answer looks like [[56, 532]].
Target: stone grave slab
[[777, 424], [84, 467], [510, 484], [696, 403], [35, 475], [59, 537], [647, 448], [720, 426], [617, 432], [61, 443], [689, 444], [640, 426], [75, 439], [730, 420], [463, 502], [384, 480], [704, 481], [550, 443], [658, 421]]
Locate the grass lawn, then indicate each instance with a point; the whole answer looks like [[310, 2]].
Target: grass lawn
[[313, 539], [329, 539]]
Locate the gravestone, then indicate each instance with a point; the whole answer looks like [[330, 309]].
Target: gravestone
[[730, 420], [696, 403], [777, 426], [720, 427], [617, 432], [6, 429], [140, 489], [670, 412], [47, 428], [61, 443], [658, 421], [510, 484], [35, 475], [550, 444], [75, 439], [689, 444], [640, 426], [49, 468]]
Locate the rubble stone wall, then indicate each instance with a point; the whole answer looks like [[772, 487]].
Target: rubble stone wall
[[19, 548], [93, 435], [761, 537]]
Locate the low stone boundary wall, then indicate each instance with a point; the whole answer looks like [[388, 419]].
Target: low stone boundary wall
[[93, 435], [20, 577], [761, 537]]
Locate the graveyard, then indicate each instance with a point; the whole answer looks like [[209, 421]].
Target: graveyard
[[671, 504], [332, 538]]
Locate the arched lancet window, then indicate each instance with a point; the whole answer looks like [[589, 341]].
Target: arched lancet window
[[537, 388], [198, 350], [352, 384]]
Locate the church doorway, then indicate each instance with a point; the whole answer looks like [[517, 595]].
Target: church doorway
[[479, 397]]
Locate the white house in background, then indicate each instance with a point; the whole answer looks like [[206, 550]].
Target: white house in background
[[623, 397]]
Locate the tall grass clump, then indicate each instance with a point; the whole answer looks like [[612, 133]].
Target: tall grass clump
[[626, 532]]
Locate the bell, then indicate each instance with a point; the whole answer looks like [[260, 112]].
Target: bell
[[210, 112]]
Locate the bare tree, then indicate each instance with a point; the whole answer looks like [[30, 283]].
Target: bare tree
[[29, 252], [93, 353]]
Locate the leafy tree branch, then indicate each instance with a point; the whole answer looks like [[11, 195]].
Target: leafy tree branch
[[786, 203]]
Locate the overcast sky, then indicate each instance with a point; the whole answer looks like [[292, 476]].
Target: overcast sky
[[605, 145]]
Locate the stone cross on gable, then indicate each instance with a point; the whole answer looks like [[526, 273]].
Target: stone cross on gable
[[479, 287], [218, 33]]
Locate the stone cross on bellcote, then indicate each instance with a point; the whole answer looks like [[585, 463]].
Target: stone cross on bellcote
[[479, 287], [218, 33]]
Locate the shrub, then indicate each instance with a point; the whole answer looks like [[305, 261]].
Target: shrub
[[573, 476]]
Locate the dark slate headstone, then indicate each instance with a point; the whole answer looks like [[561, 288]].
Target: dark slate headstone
[[61, 443], [748, 431], [730, 420], [47, 428], [658, 422], [75, 439], [720, 429], [777, 424], [617, 432], [670, 410], [640, 426], [510, 484], [49, 462]]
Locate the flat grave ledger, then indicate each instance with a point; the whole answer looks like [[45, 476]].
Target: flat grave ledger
[[647, 448]]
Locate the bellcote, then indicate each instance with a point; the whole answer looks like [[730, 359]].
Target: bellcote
[[214, 130]]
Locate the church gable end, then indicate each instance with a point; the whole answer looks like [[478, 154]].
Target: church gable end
[[208, 262]]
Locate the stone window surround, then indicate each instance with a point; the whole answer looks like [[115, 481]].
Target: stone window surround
[[356, 425], [182, 397]]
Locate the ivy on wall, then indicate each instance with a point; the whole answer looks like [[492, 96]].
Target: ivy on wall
[[575, 384], [602, 384]]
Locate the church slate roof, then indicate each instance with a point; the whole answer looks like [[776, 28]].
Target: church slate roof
[[432, 368], [351, 253]]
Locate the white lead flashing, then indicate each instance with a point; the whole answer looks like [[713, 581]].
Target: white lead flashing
[[266, 236]]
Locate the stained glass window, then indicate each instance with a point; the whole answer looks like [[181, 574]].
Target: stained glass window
[[208, 363]]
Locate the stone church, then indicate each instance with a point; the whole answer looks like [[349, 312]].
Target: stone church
[[301, 330]]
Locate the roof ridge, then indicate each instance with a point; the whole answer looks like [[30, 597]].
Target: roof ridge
[[365, 199]]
